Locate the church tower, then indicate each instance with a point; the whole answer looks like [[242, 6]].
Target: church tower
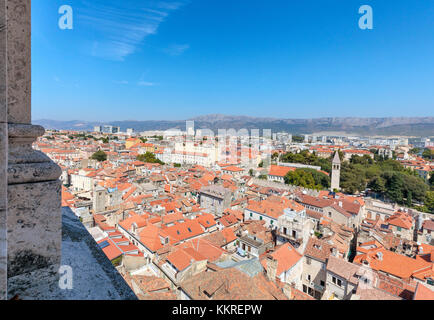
[[99, 199], [336, 172]]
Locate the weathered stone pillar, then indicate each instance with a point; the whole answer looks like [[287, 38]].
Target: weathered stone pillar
[[34, 229], [3, 151]]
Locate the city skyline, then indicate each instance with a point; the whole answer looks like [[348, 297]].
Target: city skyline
[[169, 60]]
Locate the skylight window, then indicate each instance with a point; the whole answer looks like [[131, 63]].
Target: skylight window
[[104, 244]]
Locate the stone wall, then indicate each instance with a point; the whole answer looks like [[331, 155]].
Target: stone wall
[[3, 150], [30, 191]]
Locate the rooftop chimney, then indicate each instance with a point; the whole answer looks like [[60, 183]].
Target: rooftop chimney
[[380, 256]]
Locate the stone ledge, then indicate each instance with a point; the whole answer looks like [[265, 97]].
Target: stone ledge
[[33, 172], [94, 277], [26, 165], [27, 131]]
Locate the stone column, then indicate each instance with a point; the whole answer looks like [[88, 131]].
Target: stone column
[[3, 151], [34, 226]]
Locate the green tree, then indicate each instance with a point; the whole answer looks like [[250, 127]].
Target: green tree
[[414, 151], [149, 157], [301, 178], [431, 180], [378, 184], [321, 179], [394, 186], [409, 198], [428, 154], [364, 160], [400, 185], [158, 137], [429, 201], [297, 139], [384, 176], [305, 157], [117, 261], [99, 156]]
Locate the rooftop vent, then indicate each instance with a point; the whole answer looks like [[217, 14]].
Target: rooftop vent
[[380, 256]]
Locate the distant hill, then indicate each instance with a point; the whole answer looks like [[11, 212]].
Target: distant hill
[[405, 126]]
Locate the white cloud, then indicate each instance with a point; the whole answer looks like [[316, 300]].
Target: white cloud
[[146, 84], [176, 49], [121, 81], [119, 27]]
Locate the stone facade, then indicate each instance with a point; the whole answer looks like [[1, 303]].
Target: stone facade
[[3, 207], [34, 226], [215, 199], [18, 50], [30, 215], [3, 150]]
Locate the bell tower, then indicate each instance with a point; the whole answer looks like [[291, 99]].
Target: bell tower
[[336, 172]]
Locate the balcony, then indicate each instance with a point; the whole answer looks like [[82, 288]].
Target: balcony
[[289, 237]]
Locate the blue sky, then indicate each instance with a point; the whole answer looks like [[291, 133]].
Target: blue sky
[[177, 59]]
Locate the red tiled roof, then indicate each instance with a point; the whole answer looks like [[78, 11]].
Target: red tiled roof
[[139, 220], [393, 263], [318, 249], [280, 171], [150, 237], [286, 257], [182, 258], [111, 251], [428, 225], [274, 206], [184, 231], [423, 293]]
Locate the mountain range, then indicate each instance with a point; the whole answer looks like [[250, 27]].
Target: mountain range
[[388, 126]]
